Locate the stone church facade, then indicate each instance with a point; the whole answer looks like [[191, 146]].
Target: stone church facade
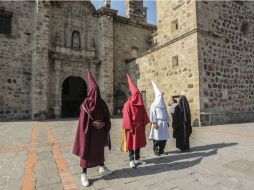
[[203, 49], [46, 47]]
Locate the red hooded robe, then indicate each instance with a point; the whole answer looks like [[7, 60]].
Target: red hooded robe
[[135, 117], [90, 142]]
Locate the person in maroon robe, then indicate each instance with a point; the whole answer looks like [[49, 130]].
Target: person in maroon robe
[[135, 119], [92, 132]]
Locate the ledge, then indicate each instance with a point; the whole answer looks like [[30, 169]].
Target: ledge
[[106, 11], [135, 23], [70, 54], [165, 44]]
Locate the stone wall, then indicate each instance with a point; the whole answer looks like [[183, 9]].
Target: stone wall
[[15, 62], [53, 40], [173, 62], [105, 55], [40, 61], [182, 11], [172, 80], [129, 38], [226, 60], [73, 16]]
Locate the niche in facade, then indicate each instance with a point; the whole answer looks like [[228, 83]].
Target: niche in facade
[[75, 40]]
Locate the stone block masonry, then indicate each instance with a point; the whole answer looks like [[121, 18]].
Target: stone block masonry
[[226, 61], [46, 44], [204, 48], [173, 62], [15, 61], [40, 63]]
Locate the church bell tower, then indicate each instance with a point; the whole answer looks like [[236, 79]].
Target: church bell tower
[[135, 10]]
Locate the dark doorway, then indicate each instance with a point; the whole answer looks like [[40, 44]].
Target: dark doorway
[[120, 98], [74, 91]]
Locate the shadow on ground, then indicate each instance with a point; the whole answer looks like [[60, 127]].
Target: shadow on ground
[[207, 147], [170, 162]]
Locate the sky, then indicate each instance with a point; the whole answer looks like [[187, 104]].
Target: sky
[[120, 6]]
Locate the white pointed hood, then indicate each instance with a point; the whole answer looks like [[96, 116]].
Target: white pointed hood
[[158, 100]]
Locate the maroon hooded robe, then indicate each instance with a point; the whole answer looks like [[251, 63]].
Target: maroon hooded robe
[[90, 142], [135, 117]]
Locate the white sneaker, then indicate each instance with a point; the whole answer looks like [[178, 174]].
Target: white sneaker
[[84, 180], [103, 170], [140, 162], [132, 164]]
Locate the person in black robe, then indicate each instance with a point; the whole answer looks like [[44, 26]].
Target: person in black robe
[[181, 123]]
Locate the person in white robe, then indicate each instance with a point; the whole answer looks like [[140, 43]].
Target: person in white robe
[[160, 122]]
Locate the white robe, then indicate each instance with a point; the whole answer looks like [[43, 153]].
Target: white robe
[[160, 116]]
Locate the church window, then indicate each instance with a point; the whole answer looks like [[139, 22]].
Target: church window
[[174, 25], [245, 28], [5, 22], [175, 61], [134, 52]]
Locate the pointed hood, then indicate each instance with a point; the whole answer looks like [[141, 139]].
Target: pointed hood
[[132, 86], [93, 87], [158, 100], [94, 95], [184, 105], [156, 90], [136, 98]]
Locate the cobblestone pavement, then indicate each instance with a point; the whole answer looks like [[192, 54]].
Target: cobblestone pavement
[[37, 155]]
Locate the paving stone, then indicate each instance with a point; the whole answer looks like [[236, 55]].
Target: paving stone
[[221, 157], [57, 186]]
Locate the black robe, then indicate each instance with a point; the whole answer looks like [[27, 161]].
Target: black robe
[[182, 124]]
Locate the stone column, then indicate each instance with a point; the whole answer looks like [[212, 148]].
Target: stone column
[[40, 61], [58, 89], [105, 53]]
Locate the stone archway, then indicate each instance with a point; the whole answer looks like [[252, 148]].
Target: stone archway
[[74, 91]]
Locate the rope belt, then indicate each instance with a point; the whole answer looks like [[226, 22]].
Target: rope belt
[[161, 119]]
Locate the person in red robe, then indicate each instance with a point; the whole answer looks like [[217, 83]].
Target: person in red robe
[[92, 132], [135, 119]]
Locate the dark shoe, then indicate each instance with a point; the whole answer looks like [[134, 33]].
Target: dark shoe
[[184, 149], [156, 153], [162, 152]]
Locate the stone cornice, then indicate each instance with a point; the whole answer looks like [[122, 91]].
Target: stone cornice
[[62, 53], [85, 3], [125, 20], [164, 45], [106, 11], [75, 59]]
